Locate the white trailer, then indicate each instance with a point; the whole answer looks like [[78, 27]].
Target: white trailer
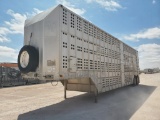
[[61, 45], [151, 70], [148, 71]]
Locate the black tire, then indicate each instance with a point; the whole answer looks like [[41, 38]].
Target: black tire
[[33, 59]]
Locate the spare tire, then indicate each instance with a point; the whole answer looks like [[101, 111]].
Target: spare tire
[[28, 59]]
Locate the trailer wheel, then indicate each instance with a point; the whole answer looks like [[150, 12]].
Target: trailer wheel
[[28, 59]]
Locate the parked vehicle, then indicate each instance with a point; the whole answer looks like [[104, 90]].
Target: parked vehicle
[[151, 71], [10, 77], [61, 45]]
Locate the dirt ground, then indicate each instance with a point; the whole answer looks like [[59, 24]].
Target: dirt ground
[[46, 102]]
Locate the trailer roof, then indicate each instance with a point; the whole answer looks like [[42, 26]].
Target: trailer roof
[[39, 17]]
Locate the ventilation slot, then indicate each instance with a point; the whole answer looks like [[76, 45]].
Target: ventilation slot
[[79, 64], [64, 62], [64, 33], [110, 81], [64, 45], [72, 20], [79, 39], [117, 67], [85, 27], [79, 48], [91, 65], [106, 38], [64, 16], [91, 51], [114, 81], [95, 32], [107, 82], [102, 66], [102, 50], [90, 30], [79, 24], [85, 50], [72, 36], [106, 52], [101, 37], [72, 47], [96, 65], [85, 64], [98, 34], [112, 52], [109, 53], [110, 67], [103, 83], [109, 41]]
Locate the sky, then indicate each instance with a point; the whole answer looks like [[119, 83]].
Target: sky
[[135, 22]]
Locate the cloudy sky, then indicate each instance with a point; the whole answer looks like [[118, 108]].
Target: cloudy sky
[[135, 22]]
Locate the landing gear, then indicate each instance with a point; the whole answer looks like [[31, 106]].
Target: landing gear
[[136, 80], [96, 95], [65, 88]]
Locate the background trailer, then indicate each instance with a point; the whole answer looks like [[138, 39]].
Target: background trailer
[[60, 45]]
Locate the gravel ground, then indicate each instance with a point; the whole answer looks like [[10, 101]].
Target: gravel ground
[[46, 102]]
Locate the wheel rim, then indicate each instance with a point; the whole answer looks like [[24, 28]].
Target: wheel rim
[[24, 59]]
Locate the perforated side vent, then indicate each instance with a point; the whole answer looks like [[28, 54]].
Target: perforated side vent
[[85, 27], [79, 48], [85, 64], [102, 66], [90, 30], [107, 82], [65, 62], [72, 21], [72, 47], [64, 16], [79, 24], [95, 32], [103, 83], [96, 65], [79, 64], [106, 52], [64, 44], [91, 64]]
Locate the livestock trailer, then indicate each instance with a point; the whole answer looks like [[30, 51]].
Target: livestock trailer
[[61, 45]]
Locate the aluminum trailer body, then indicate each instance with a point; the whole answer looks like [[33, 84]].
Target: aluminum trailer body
[[61, 45]]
